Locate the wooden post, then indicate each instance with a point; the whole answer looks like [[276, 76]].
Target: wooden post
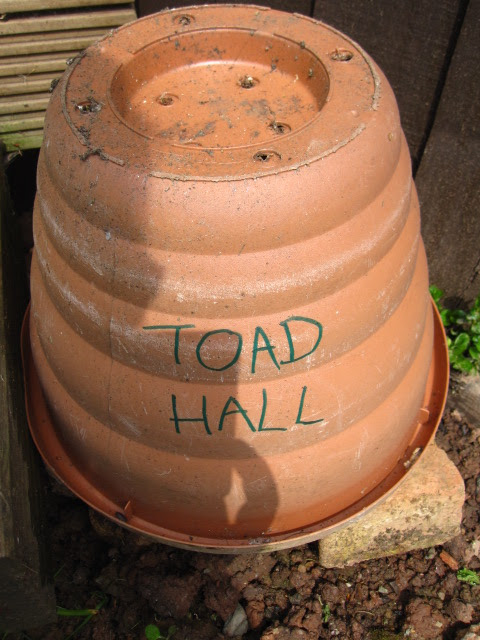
[[465, 392], [26, 595], [448, 179], [146, 7]]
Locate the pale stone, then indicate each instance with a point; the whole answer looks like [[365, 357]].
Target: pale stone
[[237, 623], [472, 633], [424, 511]]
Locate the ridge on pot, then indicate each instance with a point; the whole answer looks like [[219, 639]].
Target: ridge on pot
[[232, 341]]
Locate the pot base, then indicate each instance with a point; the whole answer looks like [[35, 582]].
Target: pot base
[[62, 467]]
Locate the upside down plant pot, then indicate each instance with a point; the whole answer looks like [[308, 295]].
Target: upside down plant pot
[[231, 343]]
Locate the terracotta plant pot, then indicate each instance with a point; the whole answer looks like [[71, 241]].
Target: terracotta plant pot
[[230, 316]]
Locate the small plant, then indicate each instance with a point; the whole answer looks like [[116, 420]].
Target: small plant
[[468, 576], [76, 613], [326, 613], [152, 632], [325, 610], [463, 333], [86, 614]]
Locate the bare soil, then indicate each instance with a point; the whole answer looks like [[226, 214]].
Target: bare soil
[[284, 595]]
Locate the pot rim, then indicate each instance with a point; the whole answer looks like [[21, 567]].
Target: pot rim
[[302, 146]]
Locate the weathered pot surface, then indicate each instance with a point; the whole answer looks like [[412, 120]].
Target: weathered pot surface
[[230, 316]]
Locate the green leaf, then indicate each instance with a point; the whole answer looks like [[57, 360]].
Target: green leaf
[[462, 364], [473, 352], [326, 613], [152, 632], [461, 343], [469, 576], [445, 316], [457, 317], [436, 293]]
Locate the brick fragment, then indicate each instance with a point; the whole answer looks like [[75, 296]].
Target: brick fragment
[[449, 560], [424, 511]]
